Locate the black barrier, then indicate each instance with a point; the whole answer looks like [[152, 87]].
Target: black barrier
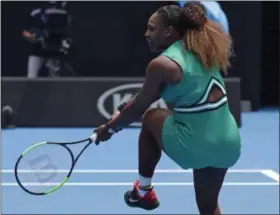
[[84, 102]]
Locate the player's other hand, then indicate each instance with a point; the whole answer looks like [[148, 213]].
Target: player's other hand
[[103, 134]]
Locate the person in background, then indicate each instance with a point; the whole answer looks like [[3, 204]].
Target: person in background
[[6, 116], [214, 13], [49, 34]]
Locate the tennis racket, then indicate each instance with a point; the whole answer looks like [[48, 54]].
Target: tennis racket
[[45, 167]]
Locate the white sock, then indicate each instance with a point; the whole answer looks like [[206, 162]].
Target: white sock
[[144, 182]]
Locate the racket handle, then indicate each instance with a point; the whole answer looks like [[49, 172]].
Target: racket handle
[[93, 137]]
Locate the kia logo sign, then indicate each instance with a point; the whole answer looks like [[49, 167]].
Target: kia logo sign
[[109, 101]]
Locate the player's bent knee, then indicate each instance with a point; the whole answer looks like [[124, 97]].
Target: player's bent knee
[[153, 121], [147, 115], [148, 119], [154, 115]]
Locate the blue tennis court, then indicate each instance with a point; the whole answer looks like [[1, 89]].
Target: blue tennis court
[[105, 172]]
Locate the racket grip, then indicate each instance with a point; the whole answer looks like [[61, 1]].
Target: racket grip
[[93, 137]]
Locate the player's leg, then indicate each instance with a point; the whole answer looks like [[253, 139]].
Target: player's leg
[[35, 64], [150, 141], [208, 183], [150, 149]]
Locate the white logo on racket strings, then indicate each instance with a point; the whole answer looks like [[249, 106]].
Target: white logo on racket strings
[[118, 95], [43, 168]]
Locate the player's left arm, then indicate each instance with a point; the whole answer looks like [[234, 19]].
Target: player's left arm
[[148, 94]]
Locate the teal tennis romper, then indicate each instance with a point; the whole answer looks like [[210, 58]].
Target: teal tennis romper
[[198, 134]]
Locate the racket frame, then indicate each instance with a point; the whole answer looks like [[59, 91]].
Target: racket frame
[[73, 161]]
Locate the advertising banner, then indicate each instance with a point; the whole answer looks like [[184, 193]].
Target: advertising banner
[[87, 102]]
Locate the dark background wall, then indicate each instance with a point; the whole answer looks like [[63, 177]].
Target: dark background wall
[[106, 36], [109, 41], [270, 54]]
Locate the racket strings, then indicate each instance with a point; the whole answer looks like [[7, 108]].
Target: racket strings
[[40, 170]]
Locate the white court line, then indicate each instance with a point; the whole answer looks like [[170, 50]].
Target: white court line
[[271, 174], [130, 184], [120, 171]]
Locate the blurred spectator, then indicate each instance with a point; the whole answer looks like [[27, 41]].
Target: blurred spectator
[[49, 33], [214, 13], [6, 116]]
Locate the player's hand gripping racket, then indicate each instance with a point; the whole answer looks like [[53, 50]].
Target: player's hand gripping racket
[[45, 167]]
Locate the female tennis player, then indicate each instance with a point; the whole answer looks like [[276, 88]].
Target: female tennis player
[[199, 132]]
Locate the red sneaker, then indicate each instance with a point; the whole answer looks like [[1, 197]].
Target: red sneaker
[[148, 202]]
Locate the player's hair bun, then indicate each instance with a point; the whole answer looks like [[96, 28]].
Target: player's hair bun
[[193, 15]]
